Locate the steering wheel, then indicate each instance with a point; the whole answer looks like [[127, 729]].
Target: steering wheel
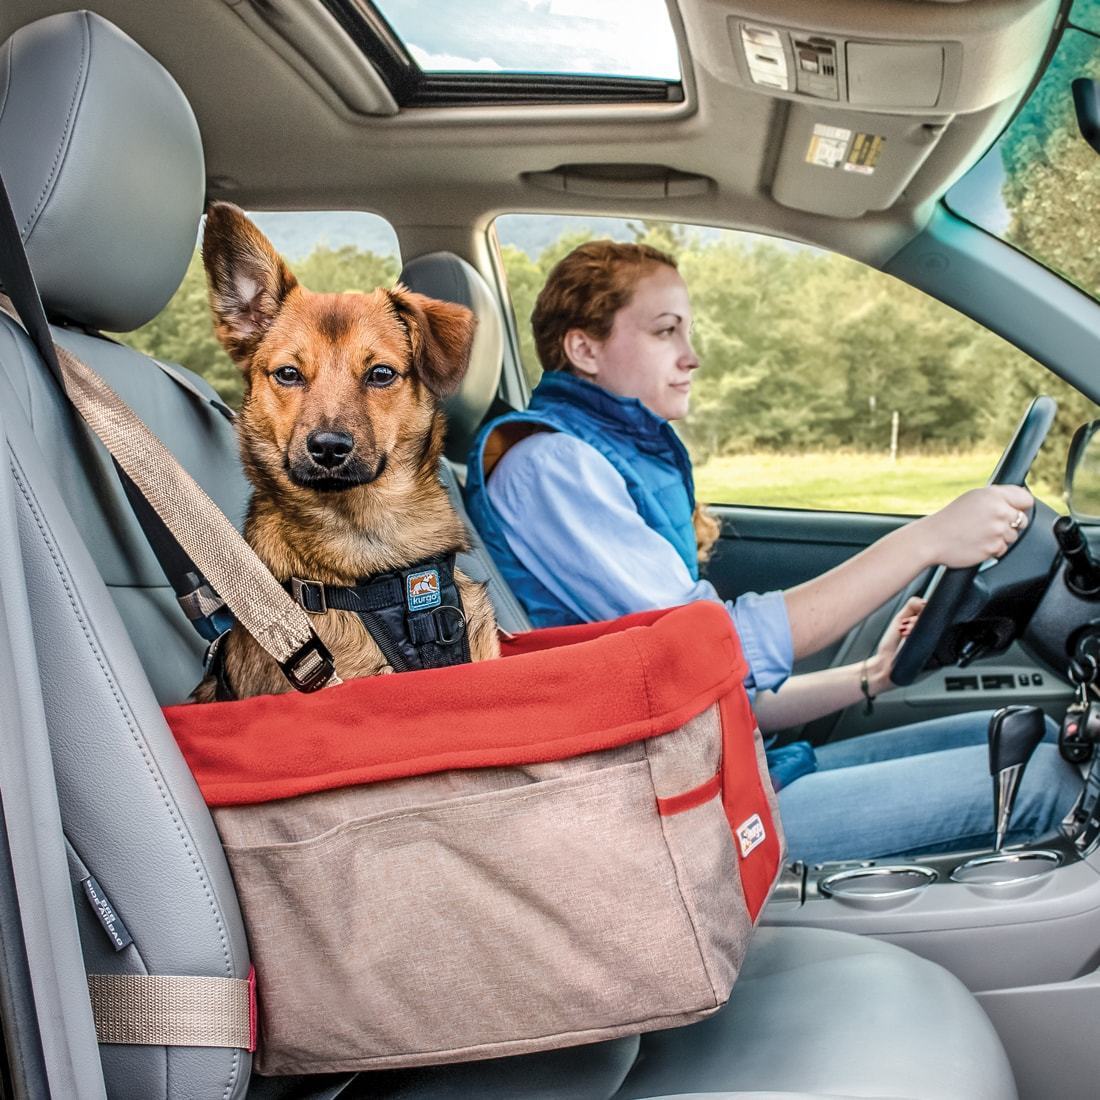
[[949, 587]]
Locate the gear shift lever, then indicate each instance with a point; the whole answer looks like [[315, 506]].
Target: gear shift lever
[[1014, 734]]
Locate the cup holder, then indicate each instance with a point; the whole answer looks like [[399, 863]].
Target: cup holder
[[888, 885], [1004, 870]]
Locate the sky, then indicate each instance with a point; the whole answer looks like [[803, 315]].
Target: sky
[[617, 37]]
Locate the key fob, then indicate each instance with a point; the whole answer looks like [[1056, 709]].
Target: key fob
[[1073, 741]]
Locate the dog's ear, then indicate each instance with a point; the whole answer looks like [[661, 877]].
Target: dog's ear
[[441, 335], [247, 279]]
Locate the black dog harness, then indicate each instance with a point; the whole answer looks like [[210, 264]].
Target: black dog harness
[[414, 615]]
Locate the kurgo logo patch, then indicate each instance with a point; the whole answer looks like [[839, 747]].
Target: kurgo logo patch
[[750, 834], [422, 590]]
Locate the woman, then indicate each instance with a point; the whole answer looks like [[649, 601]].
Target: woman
[[586, 501]]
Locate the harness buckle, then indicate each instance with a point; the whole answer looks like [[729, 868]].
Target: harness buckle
[[309, 594], [311, 667], [457, 618]]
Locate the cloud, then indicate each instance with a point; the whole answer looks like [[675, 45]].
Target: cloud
[[621, 37], [449, 62]]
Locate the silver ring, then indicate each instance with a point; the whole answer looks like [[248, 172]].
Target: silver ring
[[1018, 522]]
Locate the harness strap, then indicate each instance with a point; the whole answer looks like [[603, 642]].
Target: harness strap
[[415, 614], [174, 1010]]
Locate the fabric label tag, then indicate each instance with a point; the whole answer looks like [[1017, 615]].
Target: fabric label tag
[[422, 590], [105, 911], [750, 834]]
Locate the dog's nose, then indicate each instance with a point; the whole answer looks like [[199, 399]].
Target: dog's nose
[[329, 449]]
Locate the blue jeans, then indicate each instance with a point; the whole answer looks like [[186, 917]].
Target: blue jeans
[[919, 788]]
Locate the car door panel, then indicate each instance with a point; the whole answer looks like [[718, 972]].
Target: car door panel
[[762, 549]]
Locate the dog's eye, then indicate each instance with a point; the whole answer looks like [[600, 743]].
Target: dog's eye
[[381, 375], [288, 376]]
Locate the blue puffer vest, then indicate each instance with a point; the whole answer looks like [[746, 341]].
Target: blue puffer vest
[[640, 445]]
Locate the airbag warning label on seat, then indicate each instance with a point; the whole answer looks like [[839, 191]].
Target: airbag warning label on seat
[[105, 911], [864, 154], [828, 144]]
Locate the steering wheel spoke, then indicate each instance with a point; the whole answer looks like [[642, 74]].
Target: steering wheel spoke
[[949, 588]]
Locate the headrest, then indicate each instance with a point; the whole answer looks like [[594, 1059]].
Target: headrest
[[448, 277], [103, 161]]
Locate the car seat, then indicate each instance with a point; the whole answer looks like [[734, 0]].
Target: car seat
[[103, 160]]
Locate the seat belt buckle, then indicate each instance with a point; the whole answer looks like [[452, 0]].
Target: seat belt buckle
[[311, 667]]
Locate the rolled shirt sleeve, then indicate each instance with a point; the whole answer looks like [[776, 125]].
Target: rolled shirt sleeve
[[568, 517]]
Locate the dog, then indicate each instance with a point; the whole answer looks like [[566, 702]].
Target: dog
[[341, 433]]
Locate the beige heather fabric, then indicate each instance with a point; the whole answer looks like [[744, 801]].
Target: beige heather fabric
[[475, 914], [231, 566], [168, 1010], [702, 850]]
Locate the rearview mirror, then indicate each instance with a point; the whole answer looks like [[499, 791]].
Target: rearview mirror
[[1086, 102], [1082, 485]]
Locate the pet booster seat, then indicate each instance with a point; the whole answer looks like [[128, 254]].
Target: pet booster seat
[[569, 844]]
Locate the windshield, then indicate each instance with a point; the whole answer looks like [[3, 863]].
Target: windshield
[[1038, 188]]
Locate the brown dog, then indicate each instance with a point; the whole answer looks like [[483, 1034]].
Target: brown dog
[[341, 434]]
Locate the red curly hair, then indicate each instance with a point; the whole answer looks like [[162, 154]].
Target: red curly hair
[[585, 290]]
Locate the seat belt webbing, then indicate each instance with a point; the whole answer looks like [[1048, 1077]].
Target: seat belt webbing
[[204, 533], [173, 1010]]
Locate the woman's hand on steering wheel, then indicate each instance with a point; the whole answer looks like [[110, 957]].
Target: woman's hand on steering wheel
[[980, 524], [879, 665]]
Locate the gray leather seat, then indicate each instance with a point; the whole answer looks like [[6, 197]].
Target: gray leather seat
[[104, 162]]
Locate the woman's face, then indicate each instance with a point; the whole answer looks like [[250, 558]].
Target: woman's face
[[648, 354]]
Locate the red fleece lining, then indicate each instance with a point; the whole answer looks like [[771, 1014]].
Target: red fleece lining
[[560, 692]]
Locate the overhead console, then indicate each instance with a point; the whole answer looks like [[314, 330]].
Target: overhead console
[[871, 87], [896, 75]]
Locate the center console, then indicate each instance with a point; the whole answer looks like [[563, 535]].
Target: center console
[[1018, 917]]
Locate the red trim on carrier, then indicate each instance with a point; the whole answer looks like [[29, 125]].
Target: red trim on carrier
[[697, 796], [743, 796]]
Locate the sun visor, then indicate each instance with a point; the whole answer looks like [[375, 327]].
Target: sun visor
[[865, 91], [844, 163]]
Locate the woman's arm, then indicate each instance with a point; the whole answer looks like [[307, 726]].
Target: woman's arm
[[809, 696], [970, 529]]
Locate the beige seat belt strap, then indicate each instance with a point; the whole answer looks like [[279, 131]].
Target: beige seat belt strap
[[173, 1011], [259, 602]]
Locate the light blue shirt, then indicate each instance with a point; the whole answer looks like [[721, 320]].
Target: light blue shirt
[[568, 517]]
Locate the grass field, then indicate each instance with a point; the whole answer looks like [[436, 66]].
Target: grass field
[[850, 481]]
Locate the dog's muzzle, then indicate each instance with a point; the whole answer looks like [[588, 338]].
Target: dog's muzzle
[[308, 474]]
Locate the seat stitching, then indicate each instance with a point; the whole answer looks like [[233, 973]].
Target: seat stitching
[[31, 502], [28, 496], [66, 132]]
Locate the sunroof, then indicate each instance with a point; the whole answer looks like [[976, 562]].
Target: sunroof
[[606, 38], [449, 53]]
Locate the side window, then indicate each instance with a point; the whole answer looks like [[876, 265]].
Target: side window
[[326, 250], [824, 384]]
